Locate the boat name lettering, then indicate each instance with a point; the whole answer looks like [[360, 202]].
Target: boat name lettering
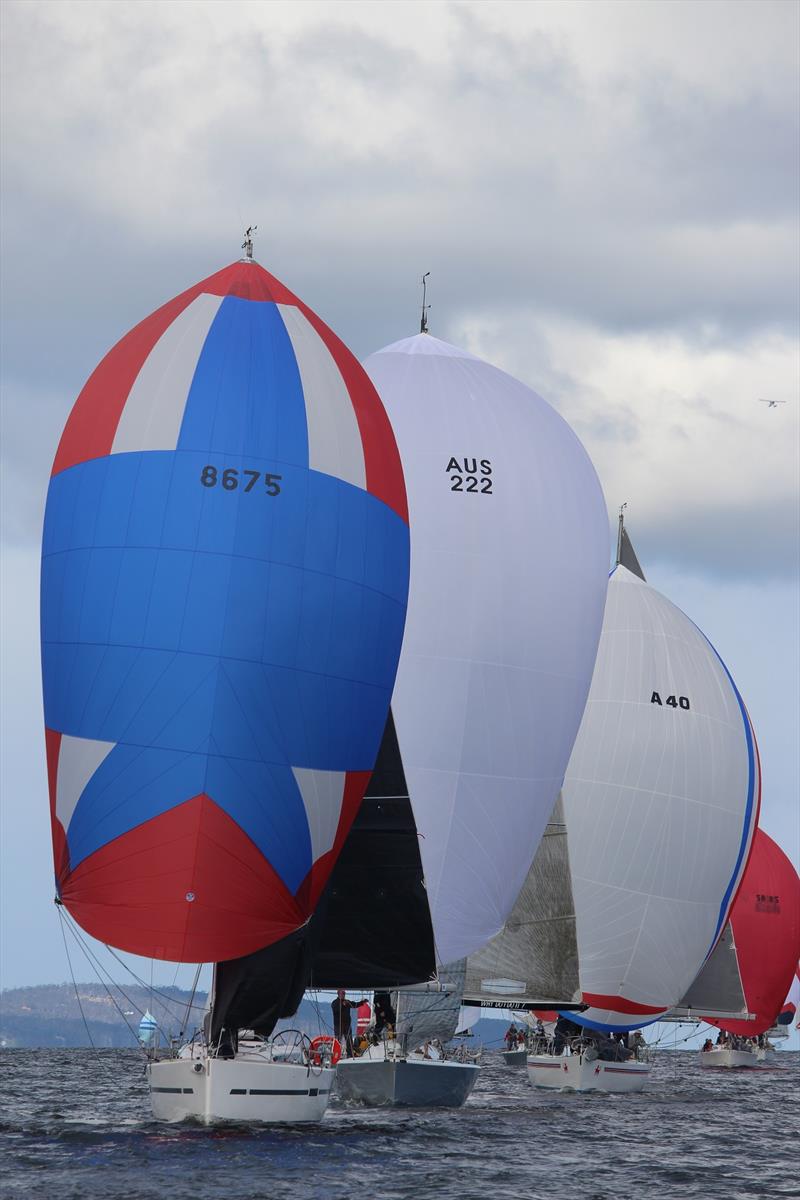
[[464, 475], [671, 701], [229, 478]]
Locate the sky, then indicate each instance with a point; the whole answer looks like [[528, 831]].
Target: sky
[[605, 194]]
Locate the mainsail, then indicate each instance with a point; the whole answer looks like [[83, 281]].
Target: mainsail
[[765, 920], [534, 959], [508, 581], [432, 1012], [376, 927], [661, 798], [224, 585], [717, 990]]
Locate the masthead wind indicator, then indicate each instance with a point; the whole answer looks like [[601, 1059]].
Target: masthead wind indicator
[[423, 323], [247, 244]]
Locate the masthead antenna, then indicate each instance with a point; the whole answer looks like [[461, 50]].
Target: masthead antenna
[[247, 244], [622, 508], [423, 324]]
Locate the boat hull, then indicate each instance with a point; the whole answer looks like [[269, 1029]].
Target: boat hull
[[726, 1058], [216, 1089], [515, 1058], [577, 1073], [405, 1083]]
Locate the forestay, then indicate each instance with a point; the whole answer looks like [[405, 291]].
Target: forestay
[[508, 578], [661, 798]]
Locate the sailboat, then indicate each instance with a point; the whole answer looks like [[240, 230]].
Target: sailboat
[[224, 586], [765, 928], [507, 587], [789, 1008], [661, 798]]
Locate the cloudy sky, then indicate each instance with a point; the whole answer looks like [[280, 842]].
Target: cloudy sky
[[605, 194]]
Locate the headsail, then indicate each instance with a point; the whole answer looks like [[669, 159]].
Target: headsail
[[376, 925], [534, 959], [224, 584], [508, 579], [661, 798], [765, 919]]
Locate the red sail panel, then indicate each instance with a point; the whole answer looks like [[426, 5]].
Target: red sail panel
[[766, 930]]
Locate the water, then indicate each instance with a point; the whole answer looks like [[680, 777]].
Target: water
[[77, 1125]]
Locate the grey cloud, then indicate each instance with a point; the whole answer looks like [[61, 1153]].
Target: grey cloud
[[730, 543], [631, 201]]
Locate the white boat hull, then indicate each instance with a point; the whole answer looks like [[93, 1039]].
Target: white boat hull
[[577, 1073], [724, 1056], [218, 1089], [412, 1082]]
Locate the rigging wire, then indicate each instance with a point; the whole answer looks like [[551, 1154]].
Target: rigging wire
[[75, 986], [91, 957], [168, 1001]]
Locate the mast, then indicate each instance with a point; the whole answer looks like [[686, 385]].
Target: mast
[[626, 555], [620, 531]]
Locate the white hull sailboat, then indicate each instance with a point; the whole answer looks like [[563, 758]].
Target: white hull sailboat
[[584, 1072], [475, 643], [727, 1057], [244, 1088], [193, 821], [385, 1076]]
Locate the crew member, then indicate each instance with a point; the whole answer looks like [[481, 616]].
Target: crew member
[[385, 1015], [342, 1009]]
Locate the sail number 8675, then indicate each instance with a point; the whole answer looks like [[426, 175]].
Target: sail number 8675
[[230, 479]]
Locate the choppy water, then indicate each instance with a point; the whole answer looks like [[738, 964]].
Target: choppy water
[[77, 1125]]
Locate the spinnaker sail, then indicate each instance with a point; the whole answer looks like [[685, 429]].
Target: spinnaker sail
[[661, 798], [765, 920], [224, 585], [508, 579]]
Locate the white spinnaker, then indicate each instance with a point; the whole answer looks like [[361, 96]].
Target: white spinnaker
[[661, 801], [508, 583]]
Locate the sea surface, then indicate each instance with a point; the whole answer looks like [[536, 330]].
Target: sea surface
[[76, 1124]]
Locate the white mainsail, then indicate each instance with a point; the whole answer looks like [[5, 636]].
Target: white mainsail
[[434, 1011], [509, 546], [661, 799], [534, 958], [717, 991]]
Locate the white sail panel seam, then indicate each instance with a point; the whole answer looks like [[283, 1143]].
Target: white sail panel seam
[[322, 793], [334, 438], [78, 760], [154, 409]]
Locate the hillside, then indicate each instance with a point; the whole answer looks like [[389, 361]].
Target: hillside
[[50, 1015]]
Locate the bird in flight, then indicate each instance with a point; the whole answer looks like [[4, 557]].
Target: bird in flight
[[772, 403]]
